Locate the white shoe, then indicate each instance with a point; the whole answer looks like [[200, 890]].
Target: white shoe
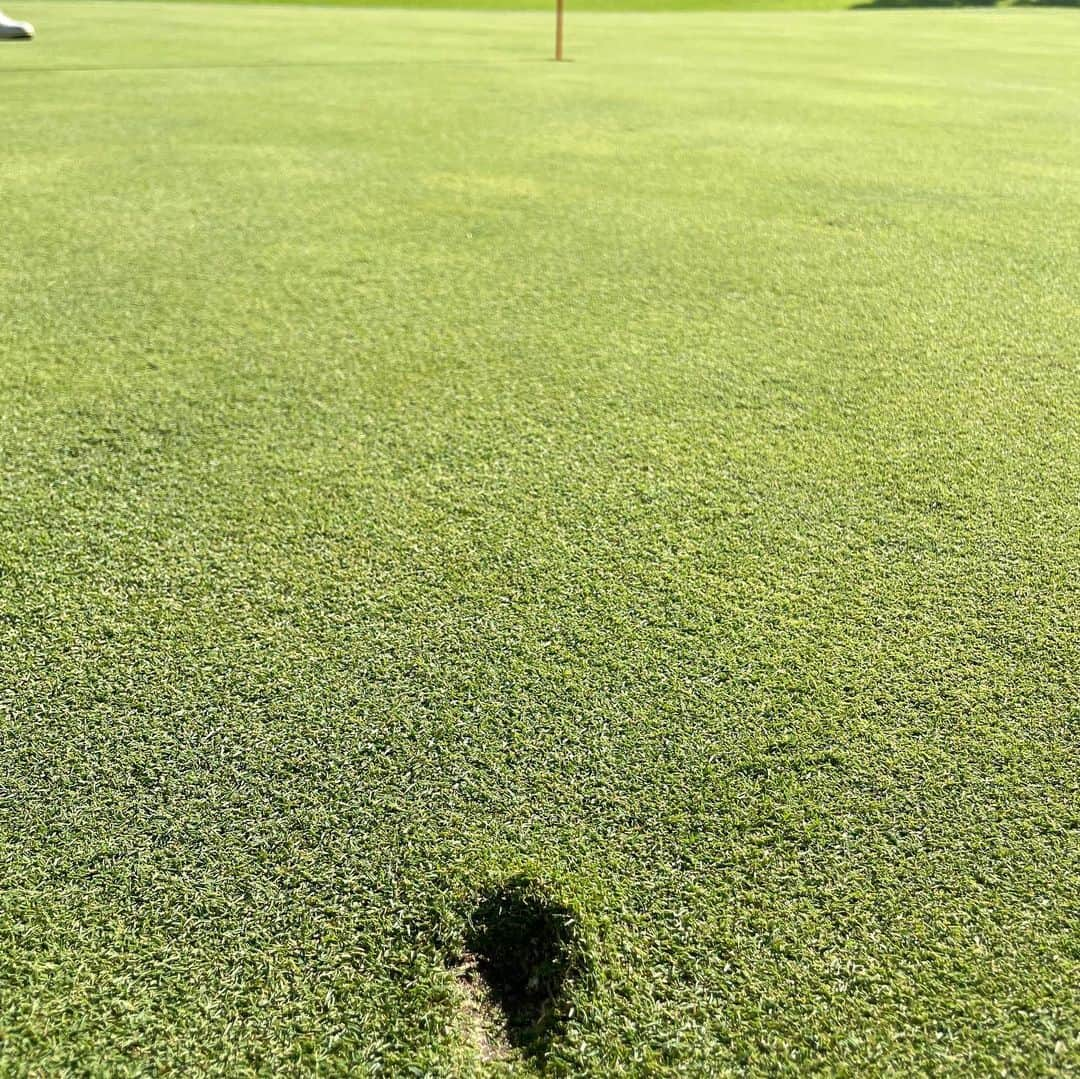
[[12, 30]]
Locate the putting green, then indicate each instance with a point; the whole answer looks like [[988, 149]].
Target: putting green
[[465, 517]]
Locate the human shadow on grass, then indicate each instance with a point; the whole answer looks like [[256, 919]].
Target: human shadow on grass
[[526, 948]]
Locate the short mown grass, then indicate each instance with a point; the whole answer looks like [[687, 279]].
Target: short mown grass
[[606, 6], [622, 7], [507, 565]]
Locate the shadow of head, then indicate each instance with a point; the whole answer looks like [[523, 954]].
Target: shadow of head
[[527, 950]]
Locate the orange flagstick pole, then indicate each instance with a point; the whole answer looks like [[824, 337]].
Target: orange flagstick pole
[[558, 28]]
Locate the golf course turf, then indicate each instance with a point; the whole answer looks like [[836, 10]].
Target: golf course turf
[[510, 566]]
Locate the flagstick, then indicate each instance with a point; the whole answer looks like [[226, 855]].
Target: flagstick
[[558, 28]]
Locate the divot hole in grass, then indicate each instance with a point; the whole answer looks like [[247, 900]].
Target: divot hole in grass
[[522, 952]]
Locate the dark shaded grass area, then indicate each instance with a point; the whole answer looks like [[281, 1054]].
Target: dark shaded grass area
[[527, 949]]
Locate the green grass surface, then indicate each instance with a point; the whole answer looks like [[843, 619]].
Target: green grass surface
[[608, 6], [671, 6], [656, 477], [667, 6]]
